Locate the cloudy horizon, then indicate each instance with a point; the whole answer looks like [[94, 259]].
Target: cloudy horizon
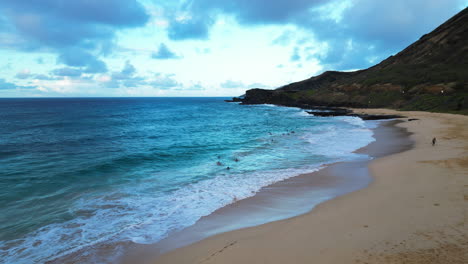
[[57, 48]]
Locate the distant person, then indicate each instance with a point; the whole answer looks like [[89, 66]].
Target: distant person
[[236, 160], [219, 163], [434, 140], [228, 168]]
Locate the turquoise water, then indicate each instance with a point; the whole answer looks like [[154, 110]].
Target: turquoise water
[[77, 172]]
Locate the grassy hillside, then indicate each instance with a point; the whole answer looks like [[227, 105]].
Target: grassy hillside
[[430, 75]]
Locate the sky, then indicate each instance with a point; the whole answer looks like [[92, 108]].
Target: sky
[[81, 48]]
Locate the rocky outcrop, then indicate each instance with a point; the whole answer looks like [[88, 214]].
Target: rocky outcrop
[[262, 96], [350, 113], [234, 100]]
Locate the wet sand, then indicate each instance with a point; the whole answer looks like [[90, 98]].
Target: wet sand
[[414, 211]]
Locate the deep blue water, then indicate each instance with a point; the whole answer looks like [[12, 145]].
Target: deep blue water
[[80, 171]]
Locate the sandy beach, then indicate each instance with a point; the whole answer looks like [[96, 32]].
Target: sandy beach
[[414, 211]]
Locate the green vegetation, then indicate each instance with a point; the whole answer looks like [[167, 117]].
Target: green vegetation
[[455, 103], [412, 75]]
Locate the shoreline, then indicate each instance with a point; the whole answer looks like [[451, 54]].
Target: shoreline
[[281, 241], [273, 203], [286, 199]]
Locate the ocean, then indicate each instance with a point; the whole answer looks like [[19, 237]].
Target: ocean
[[75, 172]]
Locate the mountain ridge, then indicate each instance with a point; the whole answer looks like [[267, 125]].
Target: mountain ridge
[[431, 74]]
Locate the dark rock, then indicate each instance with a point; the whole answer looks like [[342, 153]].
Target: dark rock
[[347, 112], [234, 100], [375, 117], [262, 96], [329, 111]]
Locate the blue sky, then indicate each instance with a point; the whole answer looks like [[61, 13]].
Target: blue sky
[[70, 48]]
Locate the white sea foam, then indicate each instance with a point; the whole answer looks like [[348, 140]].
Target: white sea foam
[[303, 113], [336, 143], [353, 120], [144, 220]]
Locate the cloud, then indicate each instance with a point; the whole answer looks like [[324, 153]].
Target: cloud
[[54, 23], [190, 28], [44, 77], [195, 87], [284, 39], [80, 32], [203, 50], [6, 66], [126, 77], [108, 82], [377, 28], [4, 85], [128, 69], [96, 66], [232, 84], [134, 82], [23, 74], [126, 73], [370, 30], [26, 74], [194, 19], [258, 85], [262, 11], [77, 57], [295, 55], [164, 82], [398, 21], [67, 72], [164, 53]]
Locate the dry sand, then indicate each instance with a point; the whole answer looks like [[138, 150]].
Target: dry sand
[[415, 211]]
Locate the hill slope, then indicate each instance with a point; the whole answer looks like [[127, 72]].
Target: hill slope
[[431, 74]]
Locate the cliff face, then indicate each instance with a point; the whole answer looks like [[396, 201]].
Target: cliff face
[[431, 74]]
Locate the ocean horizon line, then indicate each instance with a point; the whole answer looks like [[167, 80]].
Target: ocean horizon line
[[80, 97]]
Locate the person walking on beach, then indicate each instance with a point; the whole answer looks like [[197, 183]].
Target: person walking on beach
[[434, 140]]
